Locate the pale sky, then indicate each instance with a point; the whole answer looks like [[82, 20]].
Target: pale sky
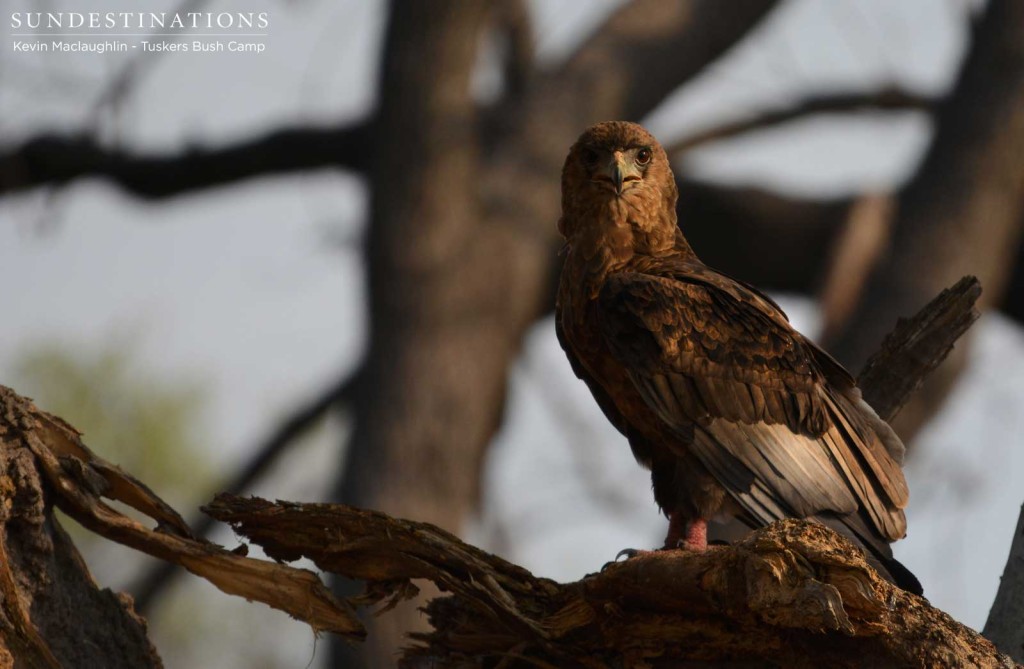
[[248, 289]]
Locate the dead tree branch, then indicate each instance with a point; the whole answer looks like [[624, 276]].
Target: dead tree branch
[[78, 481], [917, 346], [152, 583], [794, 594]]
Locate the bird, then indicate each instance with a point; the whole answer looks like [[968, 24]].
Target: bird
[[735, 413]]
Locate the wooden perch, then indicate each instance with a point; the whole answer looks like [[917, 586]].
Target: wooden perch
[[794, 594]]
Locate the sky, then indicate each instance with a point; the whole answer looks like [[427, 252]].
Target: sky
[[257, 290]]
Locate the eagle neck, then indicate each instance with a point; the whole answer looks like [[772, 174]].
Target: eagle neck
[[613, 236]]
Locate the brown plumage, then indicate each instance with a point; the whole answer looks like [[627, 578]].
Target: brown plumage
[[735, 413]]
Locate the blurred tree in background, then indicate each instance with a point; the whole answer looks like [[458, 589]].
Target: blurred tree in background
[[461, 247]]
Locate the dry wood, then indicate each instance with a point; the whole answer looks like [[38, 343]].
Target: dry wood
[[78, 481], [794, 594], [52, 614], [917, 346], [264, 454]]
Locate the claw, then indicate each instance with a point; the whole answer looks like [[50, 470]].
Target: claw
[[628, 552]]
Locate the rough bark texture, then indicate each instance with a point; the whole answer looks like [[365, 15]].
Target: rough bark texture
[[794, 594], [917, 346], [1005, 624], [52, 614], [962, 212]]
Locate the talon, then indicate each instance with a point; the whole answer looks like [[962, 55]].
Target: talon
[[628, 552]]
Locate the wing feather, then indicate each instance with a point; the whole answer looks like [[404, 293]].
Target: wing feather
[[705, 351]]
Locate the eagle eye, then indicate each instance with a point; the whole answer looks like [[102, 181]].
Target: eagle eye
[[590, 157], [643, 156]]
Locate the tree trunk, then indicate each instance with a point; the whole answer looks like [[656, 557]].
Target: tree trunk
[[425, 401], [459, 246]]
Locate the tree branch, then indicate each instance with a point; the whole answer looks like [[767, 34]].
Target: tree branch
[[886, 99], [51, 160], [794, 594], [77, 481], [917, 346], [152, 583], [854, 252], [516, 28]]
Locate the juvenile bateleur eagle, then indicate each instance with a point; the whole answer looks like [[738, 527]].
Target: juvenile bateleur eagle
[[735, 413]]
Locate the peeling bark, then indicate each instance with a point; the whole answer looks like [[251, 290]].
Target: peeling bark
[[52, 614]]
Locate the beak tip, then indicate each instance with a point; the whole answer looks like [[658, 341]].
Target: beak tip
[[618, 178]]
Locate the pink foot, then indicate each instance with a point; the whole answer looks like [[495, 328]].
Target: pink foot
[[691, 535], [696, 538]]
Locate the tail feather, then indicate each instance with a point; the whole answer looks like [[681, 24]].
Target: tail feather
[[878, 552]]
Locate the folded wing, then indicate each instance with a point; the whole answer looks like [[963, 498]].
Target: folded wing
[[779, 424]]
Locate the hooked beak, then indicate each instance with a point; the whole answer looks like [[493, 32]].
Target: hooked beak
[[620, 172]]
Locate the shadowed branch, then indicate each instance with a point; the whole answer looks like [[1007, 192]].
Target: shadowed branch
[[154, 581], [51, 160]]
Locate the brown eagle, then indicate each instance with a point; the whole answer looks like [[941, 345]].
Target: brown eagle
[[735, 413]]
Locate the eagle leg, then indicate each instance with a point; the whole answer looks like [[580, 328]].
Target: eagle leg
[[688, 534], [684, 534]]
